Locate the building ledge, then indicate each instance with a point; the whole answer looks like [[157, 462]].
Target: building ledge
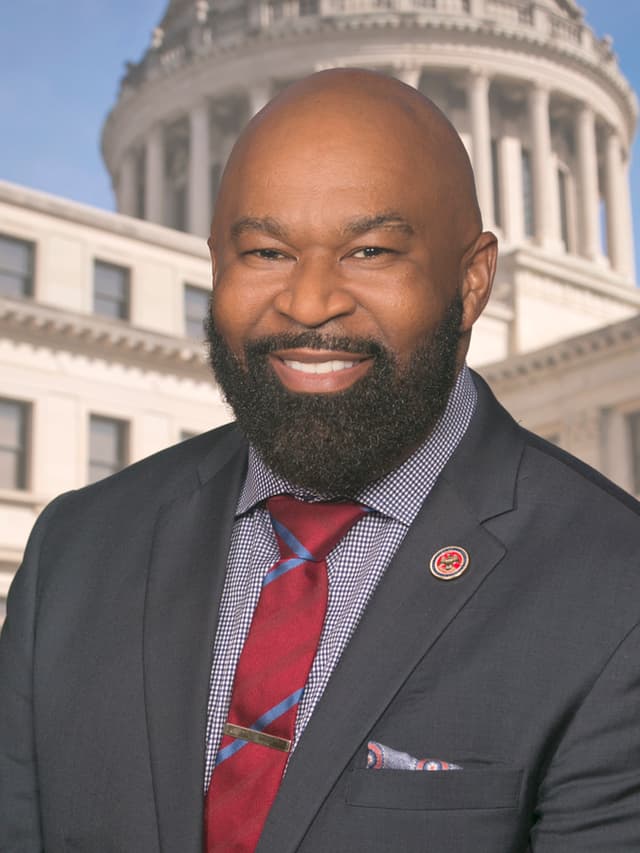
[[116, 340], [538, 364], [574, 270], [565, 34], [103, 220], [19, 498]]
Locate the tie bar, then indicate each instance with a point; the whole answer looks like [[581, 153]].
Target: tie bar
[[253, 736]]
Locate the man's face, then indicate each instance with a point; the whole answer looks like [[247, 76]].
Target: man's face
[[336, 295]]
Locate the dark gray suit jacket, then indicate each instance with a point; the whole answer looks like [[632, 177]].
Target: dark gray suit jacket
[[525, 670]]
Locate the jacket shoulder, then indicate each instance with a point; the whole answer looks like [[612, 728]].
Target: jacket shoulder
[[567, 475]]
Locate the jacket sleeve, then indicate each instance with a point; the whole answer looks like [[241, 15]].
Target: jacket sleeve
[[19, 804], [589, 801]]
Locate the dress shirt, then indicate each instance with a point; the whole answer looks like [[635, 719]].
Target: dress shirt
[[355, 565]]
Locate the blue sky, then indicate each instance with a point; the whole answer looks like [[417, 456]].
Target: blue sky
[[60, 63]]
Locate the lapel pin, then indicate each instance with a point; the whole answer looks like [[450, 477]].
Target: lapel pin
[[449, 563]]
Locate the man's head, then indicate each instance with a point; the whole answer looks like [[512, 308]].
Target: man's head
[[349, 266]]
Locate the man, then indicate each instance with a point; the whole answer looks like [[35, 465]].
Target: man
[[458, 671]]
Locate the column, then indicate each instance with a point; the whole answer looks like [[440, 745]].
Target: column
[[409, 74], [259, 96], [628, 216], [589, 214], [511, 190], [199, 200], [127, 184], [545, 184], [619, 236], [154, 175], [478, 95]]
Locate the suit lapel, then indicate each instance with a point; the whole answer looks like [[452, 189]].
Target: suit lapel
[[185, 580], [408, 612]]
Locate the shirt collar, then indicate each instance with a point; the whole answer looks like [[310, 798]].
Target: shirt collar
[[402, 491]]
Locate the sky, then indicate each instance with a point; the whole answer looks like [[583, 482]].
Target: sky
[[61, 62]]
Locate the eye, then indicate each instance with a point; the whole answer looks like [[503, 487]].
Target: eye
[[371, 252], [266, 254]]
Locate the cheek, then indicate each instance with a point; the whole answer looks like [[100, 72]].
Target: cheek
[[236, 309], [406, 316]]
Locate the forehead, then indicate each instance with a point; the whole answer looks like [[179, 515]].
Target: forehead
[[339, 168]]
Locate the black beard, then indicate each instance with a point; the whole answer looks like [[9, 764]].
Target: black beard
[[336, 444]]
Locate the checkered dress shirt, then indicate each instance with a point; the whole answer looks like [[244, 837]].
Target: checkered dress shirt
[[355, 565]]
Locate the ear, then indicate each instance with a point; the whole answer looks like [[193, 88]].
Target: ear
[[478, 270], [214, 265]]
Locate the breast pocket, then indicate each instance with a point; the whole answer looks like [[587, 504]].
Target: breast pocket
[[482, 788]]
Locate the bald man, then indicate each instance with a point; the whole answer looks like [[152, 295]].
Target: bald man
[[374, 614]]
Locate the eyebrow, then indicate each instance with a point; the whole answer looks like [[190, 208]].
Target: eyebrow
[[265, 225], [390, 221]]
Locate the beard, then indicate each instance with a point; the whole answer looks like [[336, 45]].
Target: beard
[[336, 444]]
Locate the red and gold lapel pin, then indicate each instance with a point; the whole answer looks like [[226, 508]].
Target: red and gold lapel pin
[[449, 563]]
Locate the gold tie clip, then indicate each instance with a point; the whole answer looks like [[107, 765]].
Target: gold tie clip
[[253, 736]]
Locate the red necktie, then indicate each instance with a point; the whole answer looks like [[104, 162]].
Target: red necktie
[[272, 672]]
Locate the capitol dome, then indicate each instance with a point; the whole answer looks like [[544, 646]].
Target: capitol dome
[[538, 99]]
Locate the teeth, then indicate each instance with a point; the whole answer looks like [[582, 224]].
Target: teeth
[[320, 367]]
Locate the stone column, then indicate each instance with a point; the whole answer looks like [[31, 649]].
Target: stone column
[[259, 96], [199, 201], [628, 215], [127, 184], [589, 214], [154, 175], [545, 183], [511, 189], [619, 234], [478, 95]]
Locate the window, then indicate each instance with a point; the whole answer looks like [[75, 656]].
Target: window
[[495, 169], [196, 305], [14, 426], [110, 290], [527, 194], [108, 439], [633, 422], [16, 267]]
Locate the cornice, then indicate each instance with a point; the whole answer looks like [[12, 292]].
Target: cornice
[[588, 51], [23, 320], [103, 220], [541, 363], [572, 270], [187, 68]]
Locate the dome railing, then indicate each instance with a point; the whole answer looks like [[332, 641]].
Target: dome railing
[[229, 27]]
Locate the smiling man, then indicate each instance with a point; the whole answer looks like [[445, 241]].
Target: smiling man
[[374, 614]]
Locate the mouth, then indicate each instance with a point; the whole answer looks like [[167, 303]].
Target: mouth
[[314, 371]]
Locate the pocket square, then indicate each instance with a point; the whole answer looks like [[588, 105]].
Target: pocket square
[[381, 757]]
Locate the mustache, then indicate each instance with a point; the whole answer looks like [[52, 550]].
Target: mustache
[[313, 340]]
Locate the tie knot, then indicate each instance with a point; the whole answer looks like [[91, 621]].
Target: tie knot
[[311, 530]]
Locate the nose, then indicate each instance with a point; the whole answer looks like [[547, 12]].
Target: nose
[[314, 295]]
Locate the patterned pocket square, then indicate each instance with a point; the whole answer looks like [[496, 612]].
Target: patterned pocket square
[[381, 757]]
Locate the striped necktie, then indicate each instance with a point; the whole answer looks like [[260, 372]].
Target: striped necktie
[[272, 671]]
